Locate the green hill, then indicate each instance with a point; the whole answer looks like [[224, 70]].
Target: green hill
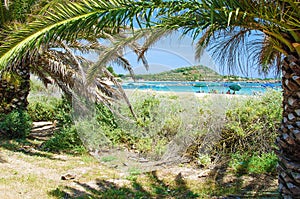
[[192, 73]]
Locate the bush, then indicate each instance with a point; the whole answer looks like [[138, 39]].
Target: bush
[[16, 124], [105, 117], [162, 122], [50, 109], [65, 140], [42, 110], [63, 112], [253, 163], [252, 125]]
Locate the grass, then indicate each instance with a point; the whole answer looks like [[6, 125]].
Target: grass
[[27, 171], [37, 174]]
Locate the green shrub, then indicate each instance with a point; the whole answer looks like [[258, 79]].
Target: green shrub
[[41, 111], [50, 109], [204, 129], [252, 125], [253, 163], [105, 117], [63, 112], [65, 140], [16, 124]]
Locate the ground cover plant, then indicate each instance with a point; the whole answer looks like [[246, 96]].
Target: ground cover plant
[[276, 45], [16, 124], [252, 124], [204, 130], [57, 109], [197, 127]]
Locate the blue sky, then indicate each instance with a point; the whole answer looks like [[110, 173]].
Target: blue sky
[[169, 53], [173, 52]]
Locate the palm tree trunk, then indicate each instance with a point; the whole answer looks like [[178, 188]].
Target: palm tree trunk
[[288, 140], [14, 89]]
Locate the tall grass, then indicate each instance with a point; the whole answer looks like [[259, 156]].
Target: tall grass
[[202, 129], [169, 126]]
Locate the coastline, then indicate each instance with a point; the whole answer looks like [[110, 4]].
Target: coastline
[[187, 94], [204, 87]]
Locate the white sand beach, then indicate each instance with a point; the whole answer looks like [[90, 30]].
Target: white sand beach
[[188, 94]]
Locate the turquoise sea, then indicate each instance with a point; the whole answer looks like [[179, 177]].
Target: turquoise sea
[[247, 88]]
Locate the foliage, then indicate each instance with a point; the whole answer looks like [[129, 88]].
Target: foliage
[[192, 73], [16, 124], [64, 112], [162, 119], [162, 122], [252, 125], [207, 21], [65, 140], [204, 160], [43, 108], [253, 163], [105, 117], [218, 125], [111, 70]]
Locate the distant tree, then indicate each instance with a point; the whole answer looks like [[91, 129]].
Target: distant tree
[[111, 70]]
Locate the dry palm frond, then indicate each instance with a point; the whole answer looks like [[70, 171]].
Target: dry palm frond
[[111, 77], [71, 55], [59, 62], [263, 52]]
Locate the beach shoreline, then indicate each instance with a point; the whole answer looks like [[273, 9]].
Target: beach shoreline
[[182, 94]]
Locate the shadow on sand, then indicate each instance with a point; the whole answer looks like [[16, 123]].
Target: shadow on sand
[[217, 185], [26, 146], [155, 188]]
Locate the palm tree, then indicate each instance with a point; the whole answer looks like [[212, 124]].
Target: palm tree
[[225, 26], [56, 62], [14, 87]]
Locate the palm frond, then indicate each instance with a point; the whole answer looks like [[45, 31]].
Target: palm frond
[[152, 35], [63, 21], [263, 54], [42, 75], [111, 77], [114, 53], [222, 25], [230, 49], [75, 59]]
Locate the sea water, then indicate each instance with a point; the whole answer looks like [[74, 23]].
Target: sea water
[[247, 88]]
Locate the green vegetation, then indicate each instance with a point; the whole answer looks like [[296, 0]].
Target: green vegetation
[[239, 130], [16, 124], [65, 139], [43, 108], [160, 119], [252, 124], [192, 73], [245, 163], [219, 126], [240, 125]]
